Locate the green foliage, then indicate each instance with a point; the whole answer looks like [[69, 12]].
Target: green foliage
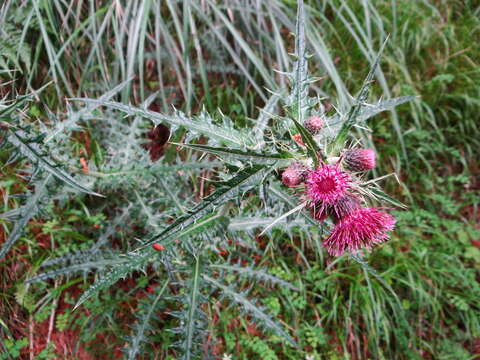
[[25, 214], [260, 348], [143, 325], [12, 348], [15, 53], [398, 305]]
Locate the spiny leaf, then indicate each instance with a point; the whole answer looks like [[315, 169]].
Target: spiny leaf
[[368, 111], [25, 214], [256, 274], [209, 222], [251, 308], [300, 68], [203, 127], [312, 146], [192, 308], [250, 223], [18, 102], [365, 113], [280, 194], [283, 217], [352, 117], [30, 150], [143, 325], [381, 195], [262, 120], [248, 156], [127, 264], [86, 266], [225, 192]]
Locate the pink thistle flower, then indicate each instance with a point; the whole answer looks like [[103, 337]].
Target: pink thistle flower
[[320, 212], [313, 124], [361, 229], [294, 174], [345, 205], [327, 184], [359, 159]]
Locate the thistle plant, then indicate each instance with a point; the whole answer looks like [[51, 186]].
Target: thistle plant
[[298, 169]]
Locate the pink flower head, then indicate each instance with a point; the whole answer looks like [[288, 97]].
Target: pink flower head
[[294, 174], [327, 184], [320, 212], [344, 205], [313, 124], [361, 229], [359, 159]]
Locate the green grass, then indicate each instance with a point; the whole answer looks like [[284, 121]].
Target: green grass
[[426, 304]]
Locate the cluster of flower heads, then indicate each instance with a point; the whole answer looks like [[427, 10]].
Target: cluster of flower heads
[[330, 192]]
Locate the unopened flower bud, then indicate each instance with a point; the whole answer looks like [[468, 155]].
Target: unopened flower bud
[[294, 174], [313, 124], [359, 159]]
